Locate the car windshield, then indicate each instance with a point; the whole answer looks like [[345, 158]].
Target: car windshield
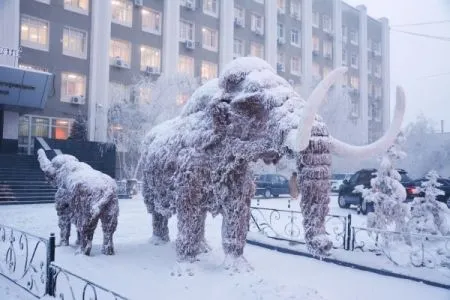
[[338, 176]]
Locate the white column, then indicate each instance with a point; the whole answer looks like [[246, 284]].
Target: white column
[[171, 27], [306, 47], [270, 32], [363, 74], [386, 71], [9, 29], [99, 70], [337, 42], [226, 33]]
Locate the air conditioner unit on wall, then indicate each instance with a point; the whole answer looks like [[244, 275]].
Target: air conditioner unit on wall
[[152, 70], [280, 67], [238, 22], [119, 62], [139, 3], [190, 4], [79, 100], [259, 31], [281, 40], [189, 45]]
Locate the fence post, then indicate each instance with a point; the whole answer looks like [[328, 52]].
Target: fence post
[[50, 285], [349, 230]]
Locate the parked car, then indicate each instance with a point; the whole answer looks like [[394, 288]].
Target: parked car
[[445, 187], [268, 185], [348, 196], [337, 179]]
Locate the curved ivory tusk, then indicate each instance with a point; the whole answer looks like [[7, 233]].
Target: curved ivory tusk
[[313, 104], [343, 149]]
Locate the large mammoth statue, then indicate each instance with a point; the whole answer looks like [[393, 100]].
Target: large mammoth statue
[[199, 161], [84, 196]]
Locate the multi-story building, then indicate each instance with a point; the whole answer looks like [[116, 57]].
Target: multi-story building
[[91, 45]]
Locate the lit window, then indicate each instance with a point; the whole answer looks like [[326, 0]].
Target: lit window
[[120, 49], [150, 57], [354, 82], [122, 12], [344, 34], [80, 6], [326, 23], [296, 65], [72, 85], [296, 9], [210, 39], [315, 19], [211, 7], [209, 71], [353, 37], [316, 43], [60, 128], [354, 60], [186, 65], [281, 61], [74, 42], [151, 21], [295, 37], [186, 31], [258, 24], [238, 48], [327, 49], [281, 4], [257, 49], [317, 74], [34, 33], [344, 57], [239, 15]]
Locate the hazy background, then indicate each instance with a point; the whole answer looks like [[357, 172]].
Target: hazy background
[[421, 65]]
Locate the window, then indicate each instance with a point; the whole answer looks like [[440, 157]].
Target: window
[[326, 23], [209, 71], [295, 37], [122, 12], [119, 93], [344, 34], [120, 49], [369, 45], [281, 4], [317, 74], [74, 42], [210, 39], [238, 48], [344, 57], [211, 7], [354, 60], [377, 48], [296, 65], [281, 61], [354, 82], [315, 19], [60, 129], [34, 33], [353, 37], [79, 6], [327, 49], [355, 112], [151, 21], [185, 3], [186, 65], [296, 9], [369, 66], [257, 49], [150, 57], [280, 31], [257, 24], [316, 44], [377, 70], [378, 91], [239, 14], [72, 85], [186, 31], [40, 126]]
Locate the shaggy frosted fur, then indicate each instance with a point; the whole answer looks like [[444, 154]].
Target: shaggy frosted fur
[[83, 197], [199, 161]]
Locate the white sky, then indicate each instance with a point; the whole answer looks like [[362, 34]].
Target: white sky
[[413, 58]]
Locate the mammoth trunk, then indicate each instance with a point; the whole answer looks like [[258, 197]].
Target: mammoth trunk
[[44, 162], [314, 168]]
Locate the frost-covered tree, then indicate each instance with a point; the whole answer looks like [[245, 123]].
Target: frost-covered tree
[[428, 215], [387, 193], [135, 110], [78, 131]]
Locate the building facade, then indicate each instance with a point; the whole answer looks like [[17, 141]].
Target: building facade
[[91, 45]]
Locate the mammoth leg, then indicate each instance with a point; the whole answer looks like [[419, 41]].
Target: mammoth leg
[[190, 232], [160, 228], [86, 236], [204, 247], [109, 219], [64, 224]]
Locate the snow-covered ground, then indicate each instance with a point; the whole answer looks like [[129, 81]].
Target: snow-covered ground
[[140, 270]]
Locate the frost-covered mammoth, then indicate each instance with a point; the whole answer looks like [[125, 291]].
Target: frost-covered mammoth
[[199, 161], [83, 196]]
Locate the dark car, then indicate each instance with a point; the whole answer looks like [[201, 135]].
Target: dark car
[[269, 185], [445, 187], [348, 196]]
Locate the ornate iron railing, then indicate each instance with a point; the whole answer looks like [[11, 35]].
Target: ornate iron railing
[[24, 259], [404, 249], [287, 225], [67, 285]]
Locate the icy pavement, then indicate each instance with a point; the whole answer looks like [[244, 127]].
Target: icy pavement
[[9, 291], [141, 270]]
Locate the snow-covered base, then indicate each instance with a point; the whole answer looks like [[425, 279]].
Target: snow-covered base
[[141, 270]]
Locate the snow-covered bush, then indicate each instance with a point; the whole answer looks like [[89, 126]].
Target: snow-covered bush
[[429, 216]]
